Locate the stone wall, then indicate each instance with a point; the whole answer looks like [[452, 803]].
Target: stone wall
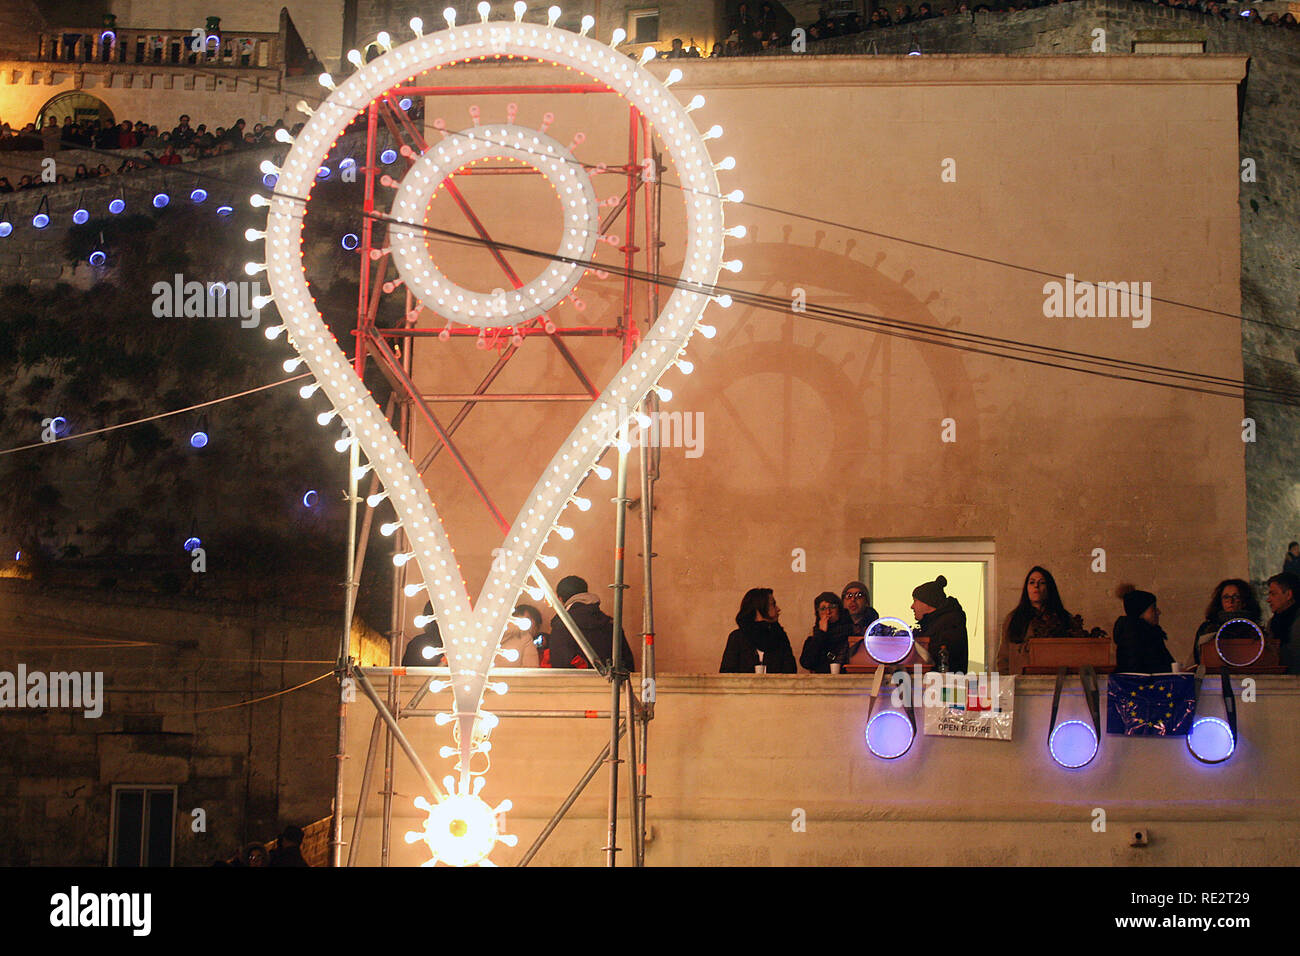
[[1269, 113], [178, 678]]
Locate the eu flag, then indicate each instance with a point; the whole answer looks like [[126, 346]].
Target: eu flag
[[1150, 705]]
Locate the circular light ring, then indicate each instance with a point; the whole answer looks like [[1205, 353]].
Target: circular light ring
[[98, 257], [499, 308], [388, 157], [891, 643], [1073, 744], [309, 499], [1210, 740], [1258, 633], [463, 631], [198, 195], [6, 228], [81, 217], [199, 440], [40, 220], [889, 734], [192, 543], [160, 200], [116, 206], [350, 241]]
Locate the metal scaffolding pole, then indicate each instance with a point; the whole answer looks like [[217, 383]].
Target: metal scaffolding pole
[[345, 663]]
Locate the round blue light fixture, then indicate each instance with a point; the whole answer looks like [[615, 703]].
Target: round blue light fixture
[[323, 173], [349, 241], [269, 180], [388, 157], [199, 439], [81, 217], [198, 195], [225, 210], [6, 228], [404, 103], [1210, 740], [40, 220], [98, 257], [116, 206], [889, 640], [192, 543], [309, 499], [889, 734], [1073, 744], [347, 162], [59, 424], [160, 200]]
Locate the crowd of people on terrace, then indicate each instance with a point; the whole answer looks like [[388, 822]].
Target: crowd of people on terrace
[[161, 147], [837, 639]]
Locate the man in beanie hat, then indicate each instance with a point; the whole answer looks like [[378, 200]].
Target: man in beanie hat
[[597, 627], [857, 601], [1139, 639], [943, 621]]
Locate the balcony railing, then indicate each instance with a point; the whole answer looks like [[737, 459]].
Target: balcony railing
[[229, 49]]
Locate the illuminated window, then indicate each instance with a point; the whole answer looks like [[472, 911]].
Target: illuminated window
[[892, 568], [643, 26], [143, 826]]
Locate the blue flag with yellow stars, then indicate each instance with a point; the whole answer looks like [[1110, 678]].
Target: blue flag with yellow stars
[[1150, 705]]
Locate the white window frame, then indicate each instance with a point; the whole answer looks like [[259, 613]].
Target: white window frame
[[634, 15], [940, 549]]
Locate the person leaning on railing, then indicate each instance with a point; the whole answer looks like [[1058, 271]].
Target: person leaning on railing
[[1040, 613], [1233, 599], [758, 638], [829, 641]]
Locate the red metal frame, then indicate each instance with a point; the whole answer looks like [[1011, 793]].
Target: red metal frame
[[380, 343]]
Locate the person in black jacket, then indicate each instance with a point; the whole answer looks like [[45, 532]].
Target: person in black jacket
[[1291, 563], [943, 621], [758, 638], [857, 605], [1139, 639], [1283, 589], [596, 626], [425, 648], [1233, 599], [829, 641]]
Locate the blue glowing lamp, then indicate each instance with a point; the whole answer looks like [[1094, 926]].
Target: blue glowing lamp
[[323, 173], [890, 734], [198, 195], [192, 542], [1211, 740], [6, 228], [349, 241], [269, 180], [117, 206], [347, 162], [1073, 744], [225, 210], [199, 439], [889, 640], [81, 217], [40, 220], [309, 499], [388, 157], [98, 257], [160, 200], [404, 103]]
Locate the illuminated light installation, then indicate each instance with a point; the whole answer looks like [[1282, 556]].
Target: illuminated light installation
[[309, 499], [472, 632], [1211, 740], [1250, 625], [192, 542], [889, 640], [118, 206], [890, 734], [1073, 744]]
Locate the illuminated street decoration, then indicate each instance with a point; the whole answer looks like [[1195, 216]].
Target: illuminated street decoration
[[471, 632]]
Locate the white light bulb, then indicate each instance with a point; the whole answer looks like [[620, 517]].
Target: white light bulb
[[724, 301], [563, 532], [388, 527], [552, 14], [665, 394], [484, 8], [257, 200], [384, 40], [423, 620], [550, 562], [327, 81], [509, 654], [536, 594], [302, 107], [253, 268], [417, 26], [378, 496], [354, 57], [733, 265], [643, 420], [520, 9], [359, 472], [442, 720], [342, 445], [253, 235], [728, 162], [582, 503], [262, 301], [674, 75], [736, 195], [714, 132], [274, 331], [411, 590], [293, 363], [736, 232], [648, 54], [427, 652], [696, 102], [602, 472], [308, 390], [401, 559], [707, 331], [449, 14], [523, 623], [622, 446], [619, 36], [500, 687], [324, 418], [686, 366], [588, 22]]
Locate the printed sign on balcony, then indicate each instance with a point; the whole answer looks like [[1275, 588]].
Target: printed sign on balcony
[[970, 705]]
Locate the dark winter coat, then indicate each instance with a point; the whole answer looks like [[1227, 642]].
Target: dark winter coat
[[945, 626], [1140, 647], [869, 616], [744, 643], [597, 627], [832, 644], [1282, 627]]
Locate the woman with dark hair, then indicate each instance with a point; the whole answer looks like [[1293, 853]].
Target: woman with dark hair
[[829, 641], [1232, 599], [758, 638], [1040, 613], [1139, 638]]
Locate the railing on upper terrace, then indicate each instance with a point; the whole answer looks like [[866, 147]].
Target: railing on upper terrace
[[183, 47]]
